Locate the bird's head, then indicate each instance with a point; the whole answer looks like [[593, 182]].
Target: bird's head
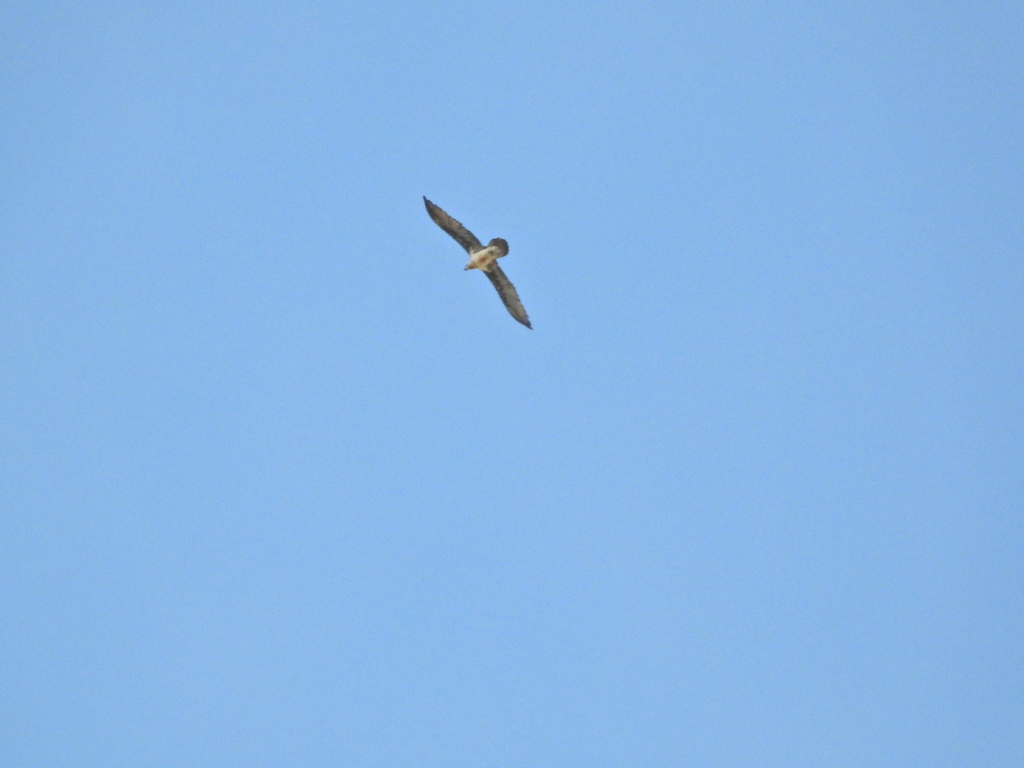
[[500, 244]]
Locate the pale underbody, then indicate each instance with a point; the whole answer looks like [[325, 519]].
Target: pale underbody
[[483, 258]]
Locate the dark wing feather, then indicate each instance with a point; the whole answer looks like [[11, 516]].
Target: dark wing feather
[[508, 294], [462, 236]]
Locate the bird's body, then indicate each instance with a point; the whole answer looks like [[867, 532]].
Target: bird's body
[[482, 257]]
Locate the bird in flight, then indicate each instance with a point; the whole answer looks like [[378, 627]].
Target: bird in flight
[[482, 257]]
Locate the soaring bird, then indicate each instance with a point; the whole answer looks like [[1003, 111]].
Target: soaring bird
[[482, 257]]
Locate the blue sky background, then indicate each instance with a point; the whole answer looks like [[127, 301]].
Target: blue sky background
[[282, 485]]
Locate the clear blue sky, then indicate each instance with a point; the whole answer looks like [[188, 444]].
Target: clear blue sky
[[282, 485]]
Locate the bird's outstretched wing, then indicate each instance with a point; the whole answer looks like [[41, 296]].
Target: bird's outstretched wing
[[508, 294], [462, 236]]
